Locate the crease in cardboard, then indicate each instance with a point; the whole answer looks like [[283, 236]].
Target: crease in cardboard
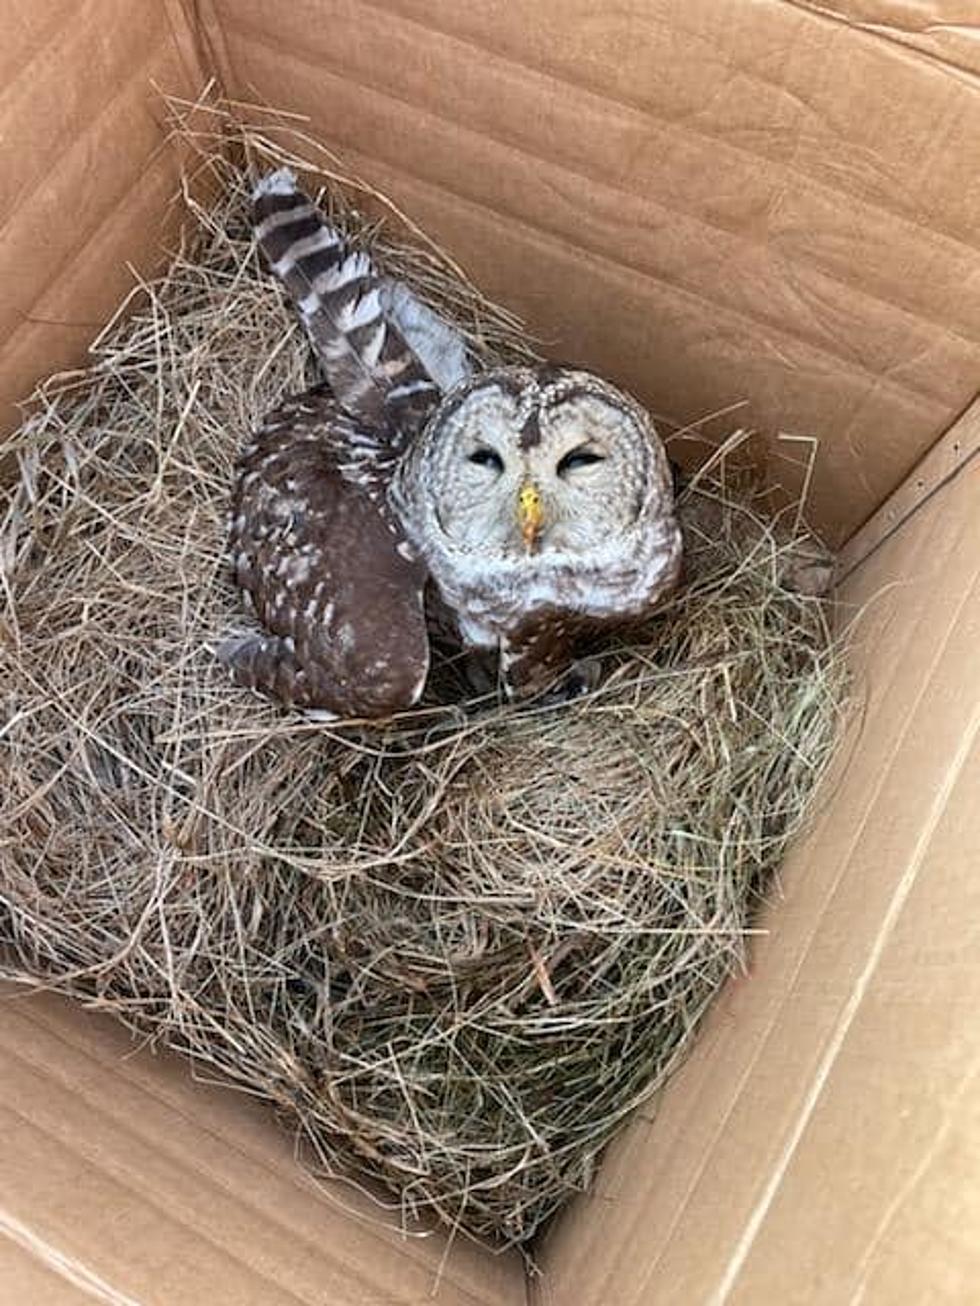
[[268, 1267], [206, 34], [899, 34], [207, 1171], [304, 46], [194, 42], [60, 1263], [66, 236], [160, 1184], [869, 1257], [93, 277], [62, 124], [643, 1236], [849, 199], [951, 456], [439, 16], [64, 244]]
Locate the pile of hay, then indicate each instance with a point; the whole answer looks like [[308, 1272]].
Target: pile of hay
[[455, 950]]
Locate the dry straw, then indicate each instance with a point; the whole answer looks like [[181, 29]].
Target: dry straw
[[457, 950]]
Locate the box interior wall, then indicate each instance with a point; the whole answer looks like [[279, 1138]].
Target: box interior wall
[[771, 205]]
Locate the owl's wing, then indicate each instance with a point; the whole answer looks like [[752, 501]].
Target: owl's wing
[[329, 572], [387, 356]]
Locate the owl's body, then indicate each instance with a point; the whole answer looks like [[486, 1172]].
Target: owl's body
[[534, 505]]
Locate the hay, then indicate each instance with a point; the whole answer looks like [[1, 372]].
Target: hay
[[455, 951]]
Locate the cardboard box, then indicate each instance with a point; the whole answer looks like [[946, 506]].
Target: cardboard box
[[712, 201]]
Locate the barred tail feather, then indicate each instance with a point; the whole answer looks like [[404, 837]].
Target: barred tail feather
[[386, 355]]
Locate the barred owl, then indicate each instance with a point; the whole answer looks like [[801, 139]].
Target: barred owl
[[524, 508]]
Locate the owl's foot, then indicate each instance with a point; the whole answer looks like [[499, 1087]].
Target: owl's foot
[[581, 678], [479, 672]]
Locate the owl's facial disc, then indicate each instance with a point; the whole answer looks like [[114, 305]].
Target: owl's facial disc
[[522, 469]]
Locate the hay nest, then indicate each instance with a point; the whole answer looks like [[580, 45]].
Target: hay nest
[[457, 950]]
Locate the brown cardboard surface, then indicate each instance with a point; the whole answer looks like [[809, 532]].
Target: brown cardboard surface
[[708, 200], [122, 1175], [85, 175], [822, 1143], [24, 1277], [945, 460], [944, 30]]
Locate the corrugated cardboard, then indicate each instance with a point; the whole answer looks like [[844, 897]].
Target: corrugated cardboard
[[86, 175], [712, 201]]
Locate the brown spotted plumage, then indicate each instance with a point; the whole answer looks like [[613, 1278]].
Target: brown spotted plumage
[[331, 577]]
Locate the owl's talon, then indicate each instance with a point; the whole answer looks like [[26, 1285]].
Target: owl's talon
[[583, 677], [580, 679]]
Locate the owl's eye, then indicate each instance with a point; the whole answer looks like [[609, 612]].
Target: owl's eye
[[487, 458], [579, 458]]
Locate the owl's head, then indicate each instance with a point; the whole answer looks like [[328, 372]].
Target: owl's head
[[538, 462]]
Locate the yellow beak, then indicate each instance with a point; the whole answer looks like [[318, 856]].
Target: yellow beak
[[530, 514]]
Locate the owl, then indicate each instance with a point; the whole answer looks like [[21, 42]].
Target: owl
[[516, 511]]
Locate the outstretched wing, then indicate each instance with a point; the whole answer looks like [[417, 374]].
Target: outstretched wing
[[330, 575], [387, 356]]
